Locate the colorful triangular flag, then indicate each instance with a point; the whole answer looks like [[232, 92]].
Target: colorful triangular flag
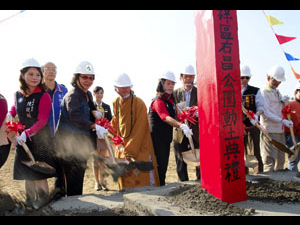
[[273, 21], [289, 57], [297, 75], [284, 39]]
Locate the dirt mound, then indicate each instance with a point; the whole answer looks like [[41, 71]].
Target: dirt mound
[[198, 199], [6, 203], [265, 190]]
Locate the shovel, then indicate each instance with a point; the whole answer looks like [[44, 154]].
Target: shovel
[[120, 167], [191, 157], [41, 167], [296, 146], [275, 143]]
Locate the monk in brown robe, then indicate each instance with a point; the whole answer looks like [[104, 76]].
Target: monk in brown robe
[[130, 121]]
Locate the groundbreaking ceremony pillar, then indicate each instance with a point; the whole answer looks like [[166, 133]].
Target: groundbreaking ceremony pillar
[[219, 104]]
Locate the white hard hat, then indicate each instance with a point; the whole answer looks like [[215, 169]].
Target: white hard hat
[[189, 70], [245, 71], [169, 76], [85, 67], [297, 87], [30, 63], [277, 72], [123, 80]]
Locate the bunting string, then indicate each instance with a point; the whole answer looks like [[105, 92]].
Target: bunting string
[[21, 11], [282, 40]]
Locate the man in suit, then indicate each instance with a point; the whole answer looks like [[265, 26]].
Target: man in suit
[[186, 96]]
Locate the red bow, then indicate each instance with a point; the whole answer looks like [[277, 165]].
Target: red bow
[[287, 110], [251, 114], [13, 127], [105, 123], [188, 114], [117, 140]]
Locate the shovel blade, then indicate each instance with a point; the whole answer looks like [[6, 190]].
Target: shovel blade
[[40, 167], [295, 150], [281, 147]]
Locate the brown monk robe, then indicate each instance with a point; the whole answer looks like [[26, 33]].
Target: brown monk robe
[[130, 121]]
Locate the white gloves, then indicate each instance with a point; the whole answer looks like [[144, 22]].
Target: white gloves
[[186, 130], [181, 105], [22, 137], [255, 120], [287, 123], [284, 98], [9, 117], [100, 131], [98, 114]]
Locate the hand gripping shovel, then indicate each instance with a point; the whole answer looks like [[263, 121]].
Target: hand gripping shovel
[[191, 157], [275, 143], [41, 167], [120, 167]]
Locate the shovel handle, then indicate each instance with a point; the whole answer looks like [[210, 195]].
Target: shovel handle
[[28, 152], [292, 131], [108, 143]]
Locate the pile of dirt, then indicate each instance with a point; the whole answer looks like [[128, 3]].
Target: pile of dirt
[[265, 190], [198, 199], [7, 203]]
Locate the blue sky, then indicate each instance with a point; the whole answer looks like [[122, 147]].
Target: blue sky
[[143, 44]]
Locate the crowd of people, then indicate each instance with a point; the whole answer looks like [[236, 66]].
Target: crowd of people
[[61, 132], [60, 128]]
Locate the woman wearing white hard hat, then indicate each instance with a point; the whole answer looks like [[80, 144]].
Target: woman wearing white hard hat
[[162, 114], [272, 120], [75, 136], [294, 110], [130, 121], [32, 106]]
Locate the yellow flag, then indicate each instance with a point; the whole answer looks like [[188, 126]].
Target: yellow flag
[[273, 21]]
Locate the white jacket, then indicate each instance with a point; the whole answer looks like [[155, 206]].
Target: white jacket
[[272, 117]]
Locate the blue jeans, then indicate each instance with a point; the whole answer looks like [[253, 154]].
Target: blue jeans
[[289, 143]]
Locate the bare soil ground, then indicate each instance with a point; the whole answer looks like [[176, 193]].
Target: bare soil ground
[[14, 190]]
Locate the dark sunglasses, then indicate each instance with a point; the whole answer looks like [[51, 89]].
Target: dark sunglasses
[[242, 78], [85, 77]]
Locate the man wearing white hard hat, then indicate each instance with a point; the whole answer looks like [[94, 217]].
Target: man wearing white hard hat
[[76, 138], [252, 100], [162, 114], [273, 120], [130, 122], [185, 96], [293, 109]]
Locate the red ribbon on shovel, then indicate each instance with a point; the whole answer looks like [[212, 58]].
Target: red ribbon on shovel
[[188, 114], [13, 127]]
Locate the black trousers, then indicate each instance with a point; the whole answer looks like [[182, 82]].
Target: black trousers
[[181, 166], [4, 152], [70, 175], [162, 154]]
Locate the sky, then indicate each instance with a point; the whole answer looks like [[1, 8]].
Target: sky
[[144, 44]]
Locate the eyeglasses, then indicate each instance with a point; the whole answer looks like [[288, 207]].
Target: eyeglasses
[[50, 69], [242, 78], [86, 77]]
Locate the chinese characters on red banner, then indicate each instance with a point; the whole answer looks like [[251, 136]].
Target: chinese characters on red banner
[[232, 140]]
